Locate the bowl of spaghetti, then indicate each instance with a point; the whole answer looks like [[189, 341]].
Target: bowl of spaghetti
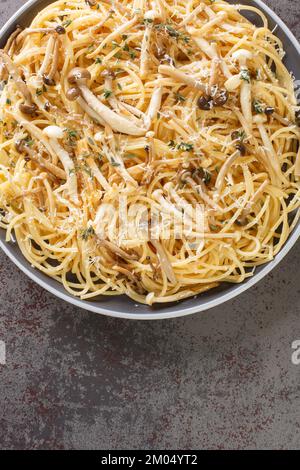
[[149, 151]]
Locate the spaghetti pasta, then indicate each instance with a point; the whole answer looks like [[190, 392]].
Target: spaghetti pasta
[[123, 121]]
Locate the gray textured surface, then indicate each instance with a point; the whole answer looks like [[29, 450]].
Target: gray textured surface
[[219, 379]]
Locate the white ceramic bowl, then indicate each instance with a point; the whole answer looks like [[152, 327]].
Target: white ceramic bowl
[[121, 306]]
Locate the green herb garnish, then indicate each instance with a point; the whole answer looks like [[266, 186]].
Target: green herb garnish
[[66, 23], [258, 106], [71, 133], [179, 97], [185, 146], [206, 176], [87, 233], [107, 93], [245, 75]]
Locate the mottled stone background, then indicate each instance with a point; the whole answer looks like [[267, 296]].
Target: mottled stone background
[[219, 379]]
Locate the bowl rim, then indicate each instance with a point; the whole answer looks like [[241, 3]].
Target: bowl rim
[[224, 297]]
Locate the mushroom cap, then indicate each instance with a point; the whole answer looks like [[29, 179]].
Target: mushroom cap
[[151, 15], [242, 55], [54, 132], [48, 80], [108, 73], [79, 76], [73, 93], [259, 119], [98, 137], [28, 108], [20, 145], [60, 29]]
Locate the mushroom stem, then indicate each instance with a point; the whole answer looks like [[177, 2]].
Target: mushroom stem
[[281, 119], [14, 73], [135, 111], [53, 171], [55, 59], [256, 195], [110, 37], [242, 56], [272, 159], [182, 77], [154, 106], [215, 65], [222, 173], [115, 158], [29, 31], [108, 84], [116, 122], [90, 111], [164, 261], [54, 133], [126, 272], [101, 112], [117, 250], [47, 58], [95, 28], [12, 41], [145, 51]]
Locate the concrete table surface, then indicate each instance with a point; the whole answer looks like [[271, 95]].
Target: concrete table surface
[[221, 379]]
